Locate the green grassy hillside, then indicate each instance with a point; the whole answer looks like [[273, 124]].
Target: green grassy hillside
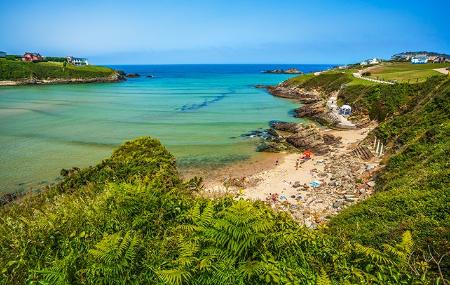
[[406, 72], [413, 190], [132, 220], [19, 70]]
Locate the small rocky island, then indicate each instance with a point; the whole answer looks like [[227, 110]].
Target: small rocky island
[[284, 71]]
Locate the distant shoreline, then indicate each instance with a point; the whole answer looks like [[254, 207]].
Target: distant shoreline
[[116, 77]]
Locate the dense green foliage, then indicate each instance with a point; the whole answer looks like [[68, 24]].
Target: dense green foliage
[[327, 82], [145, 226], [381, 101], [132, 220], [19, 70], [414, 187]]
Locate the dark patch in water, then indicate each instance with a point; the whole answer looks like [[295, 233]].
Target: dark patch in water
[[67, 141], [205, 103], [35, 111], [291, 113]]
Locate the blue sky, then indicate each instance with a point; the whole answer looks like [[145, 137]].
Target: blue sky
[[229, 31]]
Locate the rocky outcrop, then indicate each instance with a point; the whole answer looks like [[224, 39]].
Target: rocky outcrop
[[294, 137], [312, 138], [313, 103], [284, 126], [133, 75], [284, 71]]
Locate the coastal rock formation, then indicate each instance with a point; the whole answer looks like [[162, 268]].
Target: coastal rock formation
[[133, 75], [284, 71], [284, 126], [294, 137], [314, 104], [312, 138]]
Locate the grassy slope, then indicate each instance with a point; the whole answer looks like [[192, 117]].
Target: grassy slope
[[17, 70], [406, 72], [131, 219], [414, 187]]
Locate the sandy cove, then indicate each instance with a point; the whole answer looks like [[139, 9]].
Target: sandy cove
[[344, 179]]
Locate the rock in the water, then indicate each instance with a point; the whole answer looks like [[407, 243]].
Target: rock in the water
[[133, 75], [284, 126], [284, 71]]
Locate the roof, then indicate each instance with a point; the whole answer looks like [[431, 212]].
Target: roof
[[346, 106]]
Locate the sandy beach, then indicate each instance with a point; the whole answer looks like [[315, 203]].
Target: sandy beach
[[344, 179]]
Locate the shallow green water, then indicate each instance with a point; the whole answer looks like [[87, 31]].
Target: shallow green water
[[199, 114]]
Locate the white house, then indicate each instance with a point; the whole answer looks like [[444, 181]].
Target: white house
[[420, 59], [77, 61], [370, 61], [345, 110], [374, 61]]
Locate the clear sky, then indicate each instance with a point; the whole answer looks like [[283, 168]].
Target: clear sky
[[228, 31]]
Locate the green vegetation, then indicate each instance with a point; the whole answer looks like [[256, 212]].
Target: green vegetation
[[414, 188], [132, 220], [406, 72], [19, 70]]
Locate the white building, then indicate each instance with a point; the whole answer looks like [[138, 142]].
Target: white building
[[419, 59], [345, 110], [370, 61], [77, 61]]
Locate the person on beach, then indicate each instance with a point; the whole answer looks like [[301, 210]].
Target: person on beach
[[296, 164], [276, 162]]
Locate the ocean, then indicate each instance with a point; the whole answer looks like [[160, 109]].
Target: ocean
[[199, 112]]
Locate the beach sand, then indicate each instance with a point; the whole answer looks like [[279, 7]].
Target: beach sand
[[286, 187]]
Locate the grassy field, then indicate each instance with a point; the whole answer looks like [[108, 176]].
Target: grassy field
[[406, 72], [19, 70]]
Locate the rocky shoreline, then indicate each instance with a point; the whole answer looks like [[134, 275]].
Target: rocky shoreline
[[315, 105], [340, 172], [115, 77]]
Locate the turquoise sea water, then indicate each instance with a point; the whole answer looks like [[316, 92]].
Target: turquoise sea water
[[197, 111]]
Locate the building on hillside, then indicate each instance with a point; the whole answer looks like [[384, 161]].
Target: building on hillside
[[374, 61], [370, 61], [420, 59], [345, 110], [438, 59], [77, 60], [32, 57], [2, 54]]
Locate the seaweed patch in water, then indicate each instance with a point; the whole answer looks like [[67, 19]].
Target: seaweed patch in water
[[205, 103]]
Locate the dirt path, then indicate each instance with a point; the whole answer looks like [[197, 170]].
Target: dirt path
[[442, 70]]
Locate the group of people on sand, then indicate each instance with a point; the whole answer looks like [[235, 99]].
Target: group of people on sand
[[306, 156]]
